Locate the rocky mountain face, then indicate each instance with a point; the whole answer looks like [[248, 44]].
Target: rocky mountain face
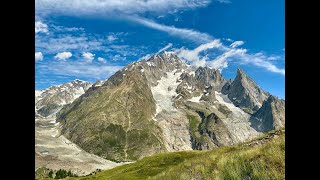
[[210, 77], [245, 93], [51, 100], [271, 115], [162, 104]]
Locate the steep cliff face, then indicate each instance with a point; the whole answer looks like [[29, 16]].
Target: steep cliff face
[[210, 77], [271, 115], [211, 132], [245, 93]]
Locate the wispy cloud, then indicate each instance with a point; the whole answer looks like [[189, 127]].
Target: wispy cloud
[[69, 42], [108, 7], [41, 27], [38, 56], [228, 39], [193, 55], [274, 58], [221, 62], [236, 44], [111, 38], [78, 69], [63, 56], [147, 56], [65, 39], [165, 48], [261, 60], [128, 10], [227, 54], [66, 29], [189, 34]]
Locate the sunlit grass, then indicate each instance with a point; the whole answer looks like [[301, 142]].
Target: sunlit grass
[[265, 161]]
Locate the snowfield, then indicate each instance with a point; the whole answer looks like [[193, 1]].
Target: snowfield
[[165, 91]]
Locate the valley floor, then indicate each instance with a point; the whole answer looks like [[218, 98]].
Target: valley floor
[[54, 151]]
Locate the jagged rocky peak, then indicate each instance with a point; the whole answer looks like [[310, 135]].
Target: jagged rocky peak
[[166, 61], [271, 115], [209, 95], [209, 76], [245, 93], [51, 100]]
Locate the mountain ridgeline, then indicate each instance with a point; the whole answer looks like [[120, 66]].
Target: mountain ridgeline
[[163, 105], [49, 101]]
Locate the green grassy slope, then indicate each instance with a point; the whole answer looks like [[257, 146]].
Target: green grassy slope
[[263, 158], [114, 121]]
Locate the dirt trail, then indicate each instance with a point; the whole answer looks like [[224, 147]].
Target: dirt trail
[[54, 151]]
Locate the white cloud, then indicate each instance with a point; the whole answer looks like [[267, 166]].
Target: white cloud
[[243, 57], [236, 44], [165, 48], [78, 69], [145, 57], [88, 56], [228, 39], [193, 55], [63, 55], [111, 38], [67, 42], [273, 58], [234, 54], [127, 9], [38, 56], [67, 29], [201, 62], [221, 62], [109, 7], [102, 60], [179, 32], [261, 60], [84, 42], [117, 57], [41, 27]]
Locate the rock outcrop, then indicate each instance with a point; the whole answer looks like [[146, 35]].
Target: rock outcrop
[[245, 93], [271, 116]]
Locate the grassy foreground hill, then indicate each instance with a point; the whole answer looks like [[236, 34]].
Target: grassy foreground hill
[[262, 158]]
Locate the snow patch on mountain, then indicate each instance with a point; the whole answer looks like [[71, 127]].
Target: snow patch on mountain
[[223, 99], [165, 91], [238, 122], [195, 99], [52, 99], [37, 93]]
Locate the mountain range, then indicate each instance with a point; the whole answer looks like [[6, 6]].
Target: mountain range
[[160, 104]]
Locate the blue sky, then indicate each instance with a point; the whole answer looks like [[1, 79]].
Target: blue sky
[[91, 40]]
